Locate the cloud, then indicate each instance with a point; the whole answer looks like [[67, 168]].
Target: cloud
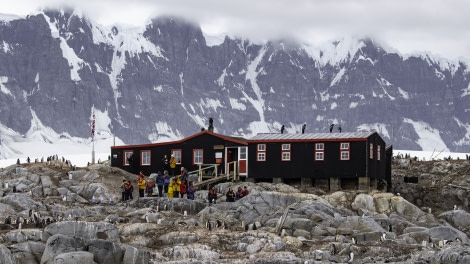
[[436, 26]]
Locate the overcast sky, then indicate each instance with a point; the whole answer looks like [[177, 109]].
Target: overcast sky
[[441, 27]]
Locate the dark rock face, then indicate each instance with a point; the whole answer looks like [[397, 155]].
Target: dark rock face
[[166, 81]]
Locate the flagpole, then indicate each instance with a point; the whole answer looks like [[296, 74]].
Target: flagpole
[[93, 151], [93, 136]]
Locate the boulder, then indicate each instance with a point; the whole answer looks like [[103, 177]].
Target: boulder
[[135, 255], [28, 252], [105, 251], [84, 230], [6, 256], [58, 244], [76, 257]]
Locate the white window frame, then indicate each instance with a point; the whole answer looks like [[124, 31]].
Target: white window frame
[[285, 156], [371, 150], [145, 157], [319, 155], [127, 154], [378, 152], [261, 152], [320, 146], [345, 155], [198, 156], [178, 154]]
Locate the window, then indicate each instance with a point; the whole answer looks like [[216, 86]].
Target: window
[[242, 153], [177, 153], [198, 155], [285, 152], [128, 157], [285, 156], [261, 152], [378, 152], [344, 151], [145, 157], [319, 146], [344, 155], [319, 151], [319, 155]]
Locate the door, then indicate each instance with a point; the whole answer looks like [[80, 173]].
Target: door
[[242, 160]]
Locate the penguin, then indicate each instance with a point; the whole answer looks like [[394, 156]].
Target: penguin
[[254, 226], [218, 224], [30, 212], [246, 227], [351, 257], [383, 237], [354, 240], [8, 220], [390, 228], [14, 188], [165, 207], [333, 249], [64, 198]]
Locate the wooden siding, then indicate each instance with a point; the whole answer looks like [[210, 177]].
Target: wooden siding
[[209, 142]]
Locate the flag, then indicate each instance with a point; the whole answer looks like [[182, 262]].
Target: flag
[[93, 125]]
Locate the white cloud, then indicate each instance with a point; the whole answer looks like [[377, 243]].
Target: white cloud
[[436, 26]]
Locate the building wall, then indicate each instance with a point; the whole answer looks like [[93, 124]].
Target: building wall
[[206, 141], [303, 163]]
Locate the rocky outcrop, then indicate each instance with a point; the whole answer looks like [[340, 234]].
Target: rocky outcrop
[[276, 223]]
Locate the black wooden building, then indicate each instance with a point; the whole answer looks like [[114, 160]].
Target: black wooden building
[[203, 148], [333, 160]]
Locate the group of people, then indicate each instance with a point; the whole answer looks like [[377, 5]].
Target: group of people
[[174, 186], [232, 196], [126, 189], [177, 186]]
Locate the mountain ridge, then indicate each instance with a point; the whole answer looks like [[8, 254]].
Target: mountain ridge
[[164, 82]]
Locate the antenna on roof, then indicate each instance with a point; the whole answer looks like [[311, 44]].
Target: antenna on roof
[[211, 124], [303, 128], [282, 129]]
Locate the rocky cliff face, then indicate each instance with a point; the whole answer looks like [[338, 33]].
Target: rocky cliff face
[[165, 82]]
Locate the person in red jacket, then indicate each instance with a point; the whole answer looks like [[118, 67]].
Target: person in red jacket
[[182, 189]]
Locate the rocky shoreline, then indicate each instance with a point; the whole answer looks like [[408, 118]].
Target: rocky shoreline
[[276, 223]]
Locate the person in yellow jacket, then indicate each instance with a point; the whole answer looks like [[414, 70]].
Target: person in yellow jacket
[[171, 188], [172, 164], [141, 183], [176, 187]]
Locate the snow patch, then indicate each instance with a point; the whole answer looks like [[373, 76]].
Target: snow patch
[[3, 88], [236, 105], [429, 138]]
